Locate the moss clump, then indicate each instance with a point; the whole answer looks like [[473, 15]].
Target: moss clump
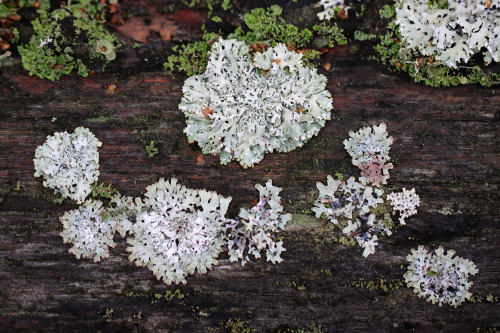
[[67, 39], [264, 28], [391, 52], [190, 58]]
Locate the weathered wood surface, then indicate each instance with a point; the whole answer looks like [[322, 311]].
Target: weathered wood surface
[[446, 146]]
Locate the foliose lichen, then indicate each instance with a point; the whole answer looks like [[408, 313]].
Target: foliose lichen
[[405, 203], [439, 277], [429, 64], [258, 228], [369, 148], [352, 202], [180, 231], [90, 230], [244, 107], [331, 8], [69, 163], [358, 206], [452, 32], [68, 38]]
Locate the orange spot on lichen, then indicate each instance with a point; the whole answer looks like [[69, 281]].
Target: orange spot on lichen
[[208, 111], [343, 13], [277, 60]]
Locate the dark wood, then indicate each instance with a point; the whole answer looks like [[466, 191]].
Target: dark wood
[[446, 146]]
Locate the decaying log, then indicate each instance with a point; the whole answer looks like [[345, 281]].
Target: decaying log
[[446, 146]]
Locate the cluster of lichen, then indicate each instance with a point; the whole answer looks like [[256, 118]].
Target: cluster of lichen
[[391, 51], [359, 207], [264, 28], [174, 231], [66, 39]]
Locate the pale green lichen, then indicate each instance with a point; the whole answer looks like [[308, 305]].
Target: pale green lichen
[[258, 227], [179, 231], [393, 51], [439, 277], [453, 33], [90, 230], [405, 203], [369, 148], [242, 107], [358, 206], [69, 163]]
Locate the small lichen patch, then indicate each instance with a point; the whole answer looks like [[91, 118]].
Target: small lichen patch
[[69, 163], [257, 230], [90, 230], [181, 231], [439, 277], [359, 205]]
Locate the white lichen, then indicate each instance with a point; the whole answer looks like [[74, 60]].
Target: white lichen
[[345, 199], [354, 205], [352, 202], [90, 230], [405, 203], [369, 148], [69, 163], [123, 211], [452, 34], [243, 107], [330, 7], [257, 230], [179, 232], [439, 278]]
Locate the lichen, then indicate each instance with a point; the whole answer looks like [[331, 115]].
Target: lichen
[[258, 227], [405, 203], [69, 163], [331, 8], [392, 50], [369, 148], [242, 108], [90, 230], [451, 33], [359, 206], [180, 231], [439, 277]]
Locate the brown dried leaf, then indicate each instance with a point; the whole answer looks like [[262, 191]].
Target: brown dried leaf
[[140, 28]]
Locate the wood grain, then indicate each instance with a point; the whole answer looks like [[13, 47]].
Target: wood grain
[[446, 146]]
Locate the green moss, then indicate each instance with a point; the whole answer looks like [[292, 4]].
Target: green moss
[[168, 296], [481, 298], [190, 58], [100, 190], [151, 149], [237, 326], [264, 26], [65, 40], [377, 284], [268, 26], [424, 69]]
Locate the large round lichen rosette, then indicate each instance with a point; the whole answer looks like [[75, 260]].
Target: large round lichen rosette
[[244, 106], [180, 231]]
